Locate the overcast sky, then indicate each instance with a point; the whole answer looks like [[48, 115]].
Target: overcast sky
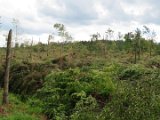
[[81, 17]]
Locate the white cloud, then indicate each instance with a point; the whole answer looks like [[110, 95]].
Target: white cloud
[[81, 17], [136, 9]]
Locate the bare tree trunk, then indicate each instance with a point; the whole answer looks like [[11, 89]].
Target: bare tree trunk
[[7, 69], [135, 59], [31, 51], [49, 38], [135, 54], [61, 58], [31, 56], [39, 47], [150, 49], [139, 49]]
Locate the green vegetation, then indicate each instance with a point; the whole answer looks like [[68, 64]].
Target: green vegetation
[[75, 91], [17, 110], [96, 80]]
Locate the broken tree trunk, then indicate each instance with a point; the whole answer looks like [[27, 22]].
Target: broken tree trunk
[[7, 69]]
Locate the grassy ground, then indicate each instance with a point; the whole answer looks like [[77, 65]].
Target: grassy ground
[[17, 110]]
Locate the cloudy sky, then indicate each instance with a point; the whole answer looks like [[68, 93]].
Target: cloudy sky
[[81, 17]]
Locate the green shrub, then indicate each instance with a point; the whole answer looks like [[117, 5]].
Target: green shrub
[[135, 100], [84, 109], [132, 72], [65, 93], [154, 62]]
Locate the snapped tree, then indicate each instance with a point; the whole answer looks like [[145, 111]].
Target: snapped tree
[[7, 69]]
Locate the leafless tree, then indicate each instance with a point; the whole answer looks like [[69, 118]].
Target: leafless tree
[[7, 69]]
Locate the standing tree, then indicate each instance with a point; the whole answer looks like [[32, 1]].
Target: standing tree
[[68, 37], [64, 35], [153, 35], [61, 30], [61, 33], [49, 39], [39, 48], [7, 69], [109, 34], [128, 41], [15, 23], [120, 36], [138, 42], [95, 37], [31, 50], [150, 36]]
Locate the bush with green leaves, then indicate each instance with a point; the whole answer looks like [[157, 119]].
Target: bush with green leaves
[[135, 98], [154, 62], [132, 72], [135, 101], [71, 92]]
